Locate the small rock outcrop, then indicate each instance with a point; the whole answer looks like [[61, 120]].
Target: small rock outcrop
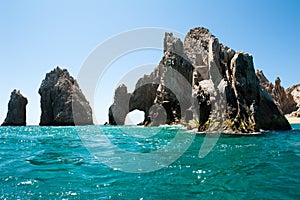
[[283, 99], [120, 106], [62, 101], [201, 84], [16, 115], [294, 91]]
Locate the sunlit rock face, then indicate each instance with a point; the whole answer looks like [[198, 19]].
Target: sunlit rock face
[[294, 91], [202, 84]]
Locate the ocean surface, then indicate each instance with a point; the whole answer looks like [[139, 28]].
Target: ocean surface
[[102, 162]]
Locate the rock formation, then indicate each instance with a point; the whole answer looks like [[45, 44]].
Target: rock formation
[[158, 94], [294, 91], [284, 100], [121, 98], [62, 101], [16, 115], [204, 84]]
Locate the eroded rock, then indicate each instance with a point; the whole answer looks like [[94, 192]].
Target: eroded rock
[[120, 108], [62, 101], [169, 84], [16, 115], [283, 99], [208, 83]]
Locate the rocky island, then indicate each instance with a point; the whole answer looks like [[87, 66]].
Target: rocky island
[[16, 114], [199, 83], [62, 101], [202, 84]]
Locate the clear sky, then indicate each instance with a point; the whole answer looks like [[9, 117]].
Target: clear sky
[[38, 35]]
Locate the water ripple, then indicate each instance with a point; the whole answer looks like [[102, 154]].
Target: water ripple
[[53, 163]]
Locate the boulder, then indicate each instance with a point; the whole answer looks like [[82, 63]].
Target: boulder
[[62, 101], [16, 115]]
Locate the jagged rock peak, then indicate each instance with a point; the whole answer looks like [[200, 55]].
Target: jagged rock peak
[[283, 99], [200, 36], [16, 115], [197, 44], [262, 78], [173, 44], [53, 76], [62, 101], [199, 33]]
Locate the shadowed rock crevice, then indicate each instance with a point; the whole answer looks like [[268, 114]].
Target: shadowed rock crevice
[[62, 101], [16, 115]]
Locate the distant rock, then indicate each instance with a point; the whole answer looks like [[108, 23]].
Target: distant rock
[[16, 115], [283, 99], [201, 84], [294, 91], [120, 106], [62, 101]]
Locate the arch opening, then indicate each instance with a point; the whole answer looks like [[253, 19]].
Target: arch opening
[[135, 117]]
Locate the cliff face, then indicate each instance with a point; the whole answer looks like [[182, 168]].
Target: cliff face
[[62, 101], [283, 99], [205, 85], [294, 91], [16, 115], [238, 102]]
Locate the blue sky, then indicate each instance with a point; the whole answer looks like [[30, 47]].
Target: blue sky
[[37, 35]]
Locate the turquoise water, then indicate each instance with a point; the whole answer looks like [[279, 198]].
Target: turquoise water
[[54, 163]]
